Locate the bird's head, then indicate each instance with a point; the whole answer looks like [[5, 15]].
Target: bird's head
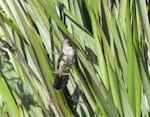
[[66, 43]]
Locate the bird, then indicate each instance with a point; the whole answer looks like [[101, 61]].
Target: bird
[[65, 60]]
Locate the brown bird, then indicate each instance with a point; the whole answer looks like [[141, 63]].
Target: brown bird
[[65, 60]]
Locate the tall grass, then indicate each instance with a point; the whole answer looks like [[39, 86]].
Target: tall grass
[[111, 76]]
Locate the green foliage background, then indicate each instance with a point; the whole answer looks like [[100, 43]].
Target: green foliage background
[[111, 77]]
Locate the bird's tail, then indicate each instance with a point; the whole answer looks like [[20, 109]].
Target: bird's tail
[[61, 81]]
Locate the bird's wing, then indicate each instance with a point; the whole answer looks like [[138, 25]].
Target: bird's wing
[[60, 58]]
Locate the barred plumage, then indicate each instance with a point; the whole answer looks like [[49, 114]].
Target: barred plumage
[[66, 59]]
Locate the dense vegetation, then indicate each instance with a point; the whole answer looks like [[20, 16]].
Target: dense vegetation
[[111, 76]]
